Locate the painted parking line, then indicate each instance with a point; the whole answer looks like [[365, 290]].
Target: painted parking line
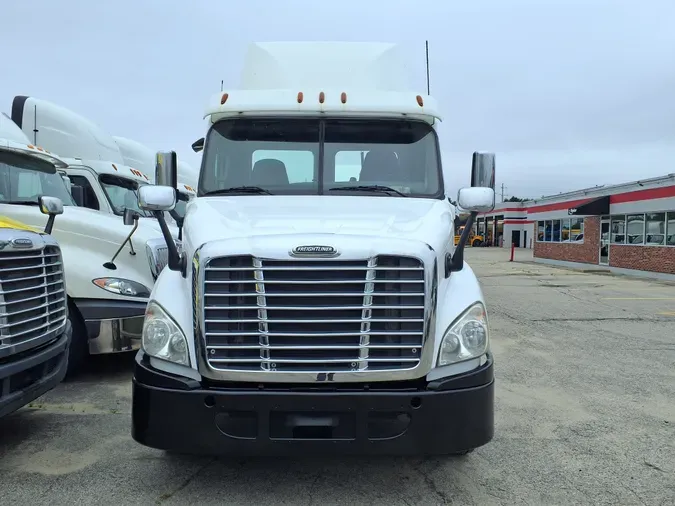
[[637, 298], [667, 313]]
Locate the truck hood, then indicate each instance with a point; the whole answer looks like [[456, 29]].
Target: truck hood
[[153, 224], [214, 218], [102, 227]]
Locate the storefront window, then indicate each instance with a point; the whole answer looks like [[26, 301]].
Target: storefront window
[[635, 228], [618, 230], [670, 229], [556, 230], [548, 231], [565, 232], [577, 229], [655, 229], [540, 231]]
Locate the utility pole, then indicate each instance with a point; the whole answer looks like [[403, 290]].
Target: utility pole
[[503, 192]]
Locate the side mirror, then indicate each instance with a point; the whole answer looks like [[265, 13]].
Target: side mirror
[[483, 170], [156, 198], [198, 145], [166, 169], [77, 192], [50, 206], [130, 216], [477, 199]]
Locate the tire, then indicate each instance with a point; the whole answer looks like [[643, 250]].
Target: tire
[[477, 243], [79, 344]]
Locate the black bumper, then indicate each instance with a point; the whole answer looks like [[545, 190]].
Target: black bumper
[[25, 377], [95, 310], [182, 415]]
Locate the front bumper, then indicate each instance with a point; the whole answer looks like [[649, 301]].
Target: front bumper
[[113, 326], [443, 417], [26, 376]]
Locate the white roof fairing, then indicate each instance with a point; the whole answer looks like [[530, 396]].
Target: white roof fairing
[[340, 65], [356, 78], [13, 139], [64, 131]]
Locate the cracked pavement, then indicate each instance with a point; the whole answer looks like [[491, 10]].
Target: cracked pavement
[[585, 414]]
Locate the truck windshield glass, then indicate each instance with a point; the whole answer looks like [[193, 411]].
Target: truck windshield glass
[[23, 179], [122, 193], [282, 156]]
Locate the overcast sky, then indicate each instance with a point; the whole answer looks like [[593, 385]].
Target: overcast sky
[[568, 93]]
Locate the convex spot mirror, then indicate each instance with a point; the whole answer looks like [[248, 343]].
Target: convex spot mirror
[[130, 216], [50, 205], [156, 198]]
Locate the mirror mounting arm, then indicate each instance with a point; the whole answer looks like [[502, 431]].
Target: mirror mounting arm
[[50, 224], [455, 262], [179, 223], [176, 261], [111, 265]]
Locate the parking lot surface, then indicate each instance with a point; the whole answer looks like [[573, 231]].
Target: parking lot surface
[[585, 414]]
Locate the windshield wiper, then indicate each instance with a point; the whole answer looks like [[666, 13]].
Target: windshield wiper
[[22, 202], [239, 189], [369, 188]]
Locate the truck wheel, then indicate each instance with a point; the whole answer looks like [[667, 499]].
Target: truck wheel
[[79, 350], [477, 243]]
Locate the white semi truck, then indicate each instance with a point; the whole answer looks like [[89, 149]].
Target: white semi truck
[[314, 310], [111, 256], [34, 329]]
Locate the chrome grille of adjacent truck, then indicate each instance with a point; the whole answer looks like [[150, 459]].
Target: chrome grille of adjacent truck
[[313, 315], [32, 295]]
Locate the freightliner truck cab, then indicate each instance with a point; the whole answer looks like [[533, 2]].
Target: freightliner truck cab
[[319, 303], [35, 332]]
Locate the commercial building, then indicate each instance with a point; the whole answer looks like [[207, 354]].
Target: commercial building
[[625, 228]]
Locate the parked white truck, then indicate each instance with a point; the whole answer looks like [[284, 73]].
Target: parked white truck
[[111, 256], [313, 310], [34, 329]]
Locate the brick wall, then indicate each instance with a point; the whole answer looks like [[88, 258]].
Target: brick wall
[[588, 252], [643, 258]]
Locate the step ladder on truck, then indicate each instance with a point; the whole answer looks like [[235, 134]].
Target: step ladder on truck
[[317, 305], [34, 329], [110, 245]]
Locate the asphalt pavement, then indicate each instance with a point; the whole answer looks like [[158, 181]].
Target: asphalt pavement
[[585, 414]]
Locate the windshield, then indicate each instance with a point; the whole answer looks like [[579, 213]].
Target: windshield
[[122, 193], [309, 156], [23, 179]]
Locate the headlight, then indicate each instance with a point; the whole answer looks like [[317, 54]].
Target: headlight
[[162, 338], [466, 338], [122, 287]]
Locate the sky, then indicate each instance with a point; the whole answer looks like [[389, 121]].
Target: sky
[[569, 94]]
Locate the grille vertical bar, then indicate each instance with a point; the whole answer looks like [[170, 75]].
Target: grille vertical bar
[[367, 314]]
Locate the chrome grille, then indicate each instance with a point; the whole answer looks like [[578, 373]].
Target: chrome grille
[[313, 315], [32, 296], [162, 259]]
